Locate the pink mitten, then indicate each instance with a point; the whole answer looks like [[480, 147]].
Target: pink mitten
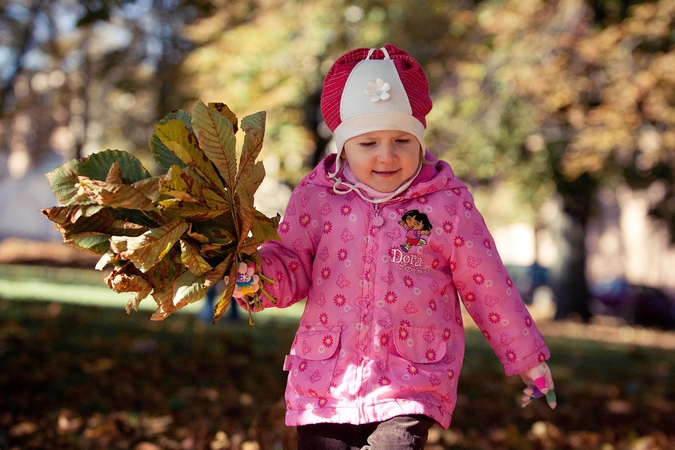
[[539, 384]]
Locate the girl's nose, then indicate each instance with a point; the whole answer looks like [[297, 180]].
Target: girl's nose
[[386, 152]]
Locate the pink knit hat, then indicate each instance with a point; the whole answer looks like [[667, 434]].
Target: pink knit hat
[[375, 89]]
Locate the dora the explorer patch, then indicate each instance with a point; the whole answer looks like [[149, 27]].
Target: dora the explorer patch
[[417, 231], [417, 227]]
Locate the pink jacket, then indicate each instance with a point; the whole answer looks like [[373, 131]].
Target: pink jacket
[[381, 334]]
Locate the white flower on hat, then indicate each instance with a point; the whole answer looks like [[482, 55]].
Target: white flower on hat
[[378, 90]]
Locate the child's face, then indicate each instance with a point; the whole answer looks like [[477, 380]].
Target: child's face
[[383, 160]]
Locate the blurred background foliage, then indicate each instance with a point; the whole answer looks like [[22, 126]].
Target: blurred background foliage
[[534, 100]]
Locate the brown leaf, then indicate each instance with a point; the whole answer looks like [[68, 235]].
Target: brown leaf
[[164, 299], [217, 141], [254, 127], [223, 109], [190, 256], [121, 279], [150, 247], [114, 174], [114, 195], [226, 298]]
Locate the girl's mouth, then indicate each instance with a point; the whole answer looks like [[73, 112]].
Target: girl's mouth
[[385, 173]]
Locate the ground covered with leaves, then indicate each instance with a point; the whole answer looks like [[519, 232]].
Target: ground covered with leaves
[[78, 377]]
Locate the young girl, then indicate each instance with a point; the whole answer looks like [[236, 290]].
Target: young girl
[[383, 241]]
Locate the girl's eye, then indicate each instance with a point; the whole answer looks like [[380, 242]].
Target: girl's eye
[[402, 141]]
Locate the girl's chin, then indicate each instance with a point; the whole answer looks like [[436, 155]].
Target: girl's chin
[[384, 186]]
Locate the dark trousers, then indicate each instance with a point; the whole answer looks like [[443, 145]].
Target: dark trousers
[[397, 433]]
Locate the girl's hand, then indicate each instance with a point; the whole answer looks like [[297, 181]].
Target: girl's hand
[[247, 283], [539, 384]]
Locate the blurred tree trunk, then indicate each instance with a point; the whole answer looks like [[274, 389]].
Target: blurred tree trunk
[[567, 277], [24, 41]]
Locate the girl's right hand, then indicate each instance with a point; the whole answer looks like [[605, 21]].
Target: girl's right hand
[[539, 384]]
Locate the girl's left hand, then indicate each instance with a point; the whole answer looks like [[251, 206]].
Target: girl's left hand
[[539, 384]]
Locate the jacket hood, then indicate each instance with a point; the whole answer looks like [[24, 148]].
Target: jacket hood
[[435, 175]]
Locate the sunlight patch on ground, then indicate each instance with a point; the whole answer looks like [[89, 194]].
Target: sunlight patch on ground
[[86, 287], [69, 293]]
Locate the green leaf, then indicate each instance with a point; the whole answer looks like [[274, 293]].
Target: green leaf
[[96, 243], [98, 165], [164, 157], [64, 180], [150, 247], [217, 140], [198, 177]]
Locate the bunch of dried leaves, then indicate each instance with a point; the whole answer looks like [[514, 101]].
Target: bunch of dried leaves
[[176, 234]]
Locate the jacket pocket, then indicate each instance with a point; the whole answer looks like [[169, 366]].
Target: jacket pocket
[[420, 345], [312, 362], [421, 361]]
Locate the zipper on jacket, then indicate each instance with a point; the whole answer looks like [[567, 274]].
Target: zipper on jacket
[[378, 220]]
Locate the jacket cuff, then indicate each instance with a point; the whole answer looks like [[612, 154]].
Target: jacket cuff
[[528, 362]]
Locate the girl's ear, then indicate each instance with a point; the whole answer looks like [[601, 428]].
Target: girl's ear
[[343, 155]]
